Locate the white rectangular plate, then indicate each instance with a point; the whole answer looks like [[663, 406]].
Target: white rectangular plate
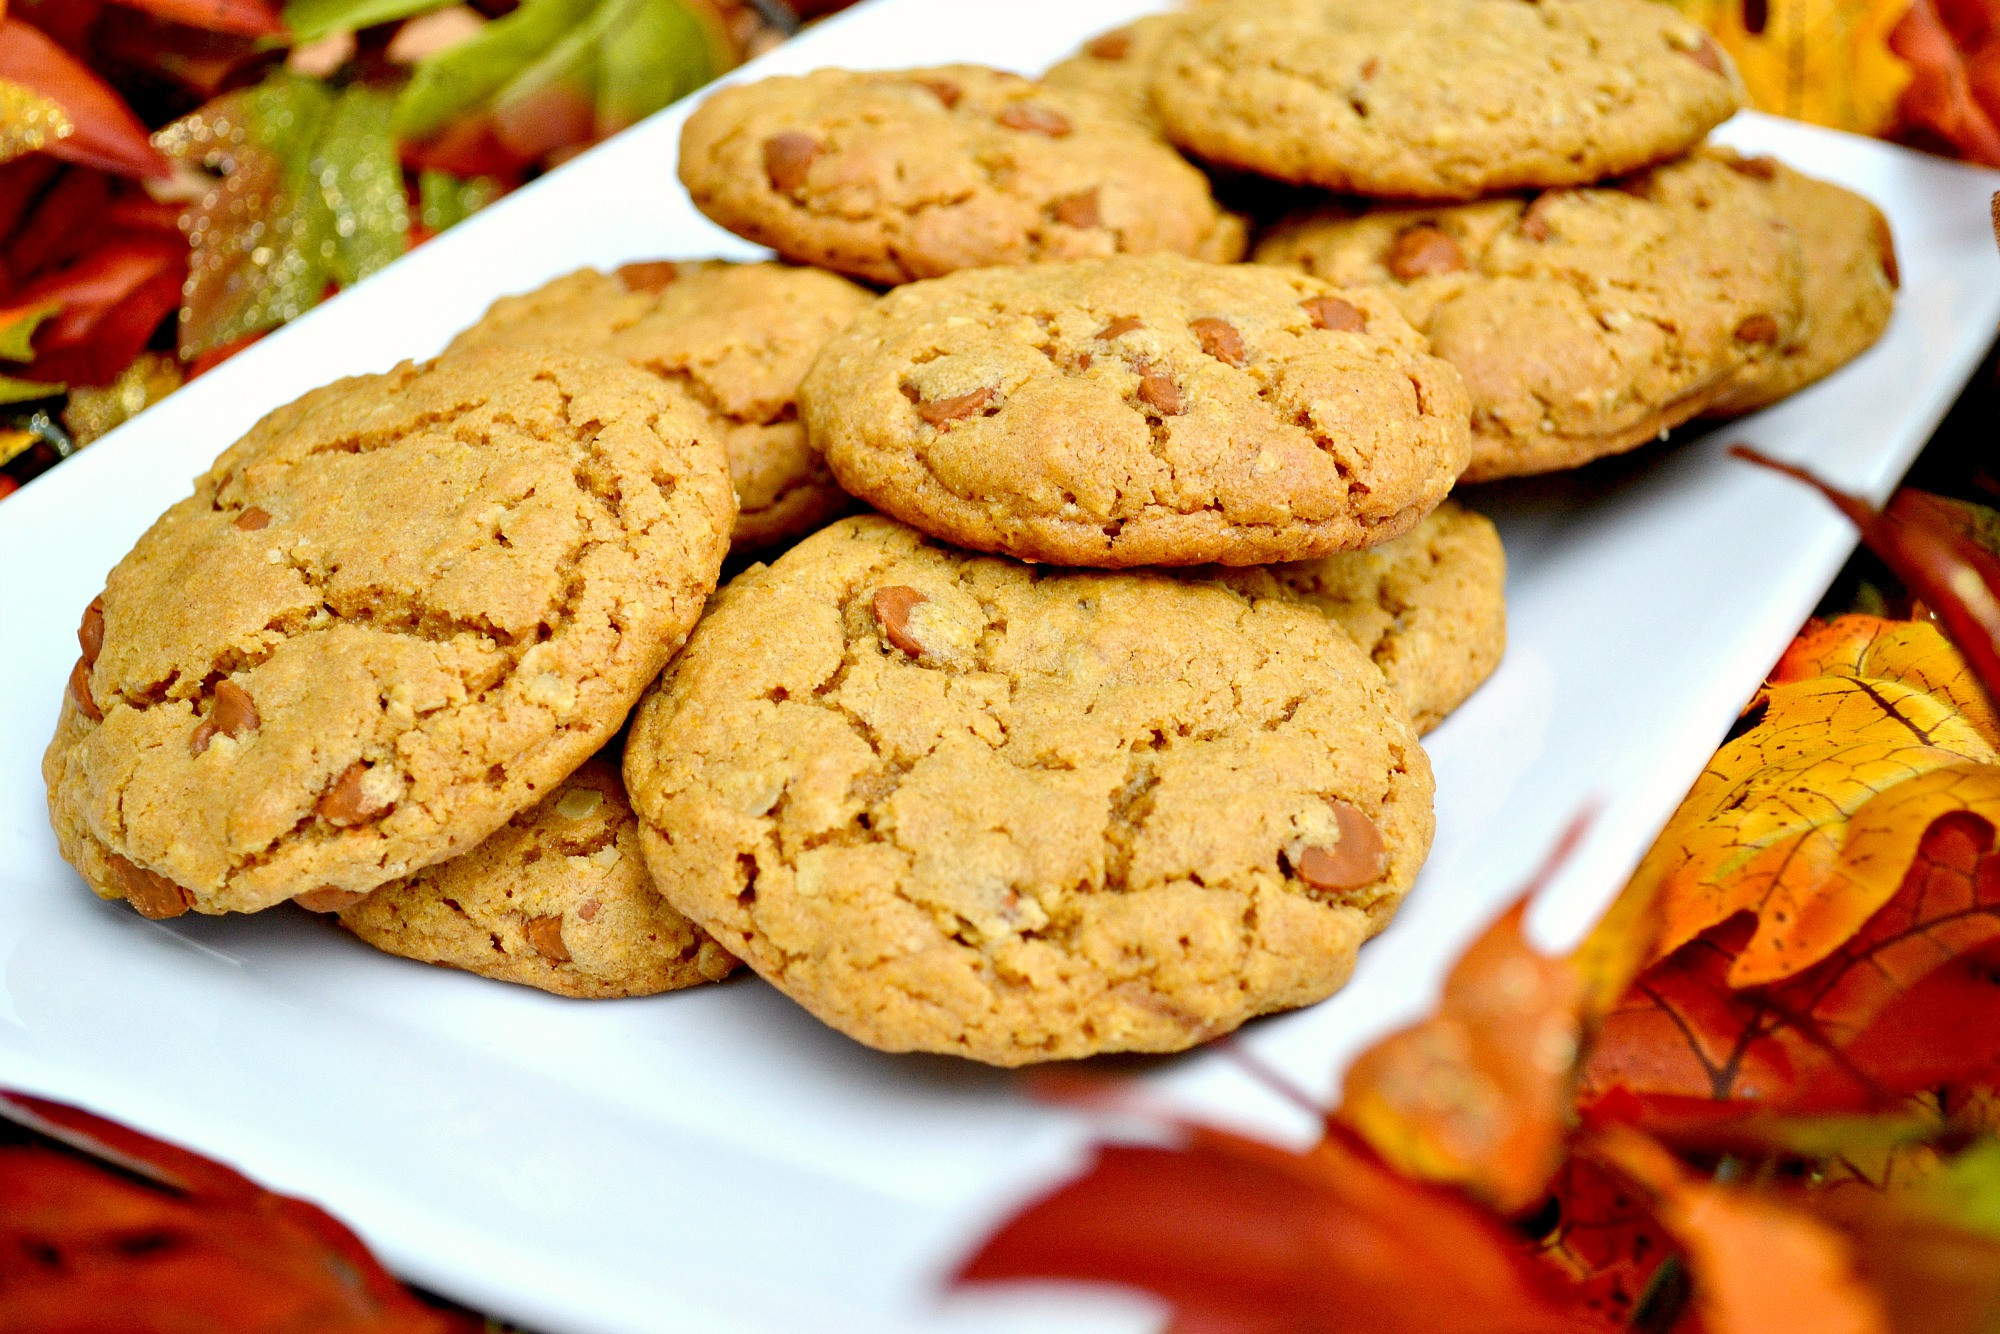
[[716, 1160]]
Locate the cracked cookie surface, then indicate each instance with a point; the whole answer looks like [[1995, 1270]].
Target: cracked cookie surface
[[1118, 65], [1447, 99], [1850, 284], [1429, 609], [1140, 411], [958, 804], [557, 898], [1585, 321], [399, 610], [732, 340], [912, 174]]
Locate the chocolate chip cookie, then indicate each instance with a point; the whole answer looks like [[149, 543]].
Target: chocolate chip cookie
[[917, 173], [398, 611], [557, 898], [1585, 321], [1430, 608], [1140, 411], [1447, 99], [732, 341], [965, 805], [1850, 284]]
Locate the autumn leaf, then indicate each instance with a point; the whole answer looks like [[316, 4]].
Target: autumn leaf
[[1758, 1263], [1913, 653], [106, 134], [1941, 99], [109, 304], [29, 122], [1801, 818], [1596, 1231], [1908, 1002], [464, 77], [241, 18], [1825, 61], [310, 20], [1248, 1238]]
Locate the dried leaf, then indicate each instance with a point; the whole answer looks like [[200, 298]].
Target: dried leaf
[[241, 18], [1599, 1234], [1825, 61], [105, 132], [1911, 653], [1759, 1264], [1252, 1239]]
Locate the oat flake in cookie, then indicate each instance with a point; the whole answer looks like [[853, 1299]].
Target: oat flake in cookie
[[965, 805], [731, 340], [1441, 99], [1140, 411], [398, 611], [557, 898], [1585, 321], [910, 174]]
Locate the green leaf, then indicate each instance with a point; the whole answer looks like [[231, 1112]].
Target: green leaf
[[556, 95], [23, 391], [16, 337], [661, 51], [467, 75], [310, 20], [360, 183], [1965, 1190], [445, 200]]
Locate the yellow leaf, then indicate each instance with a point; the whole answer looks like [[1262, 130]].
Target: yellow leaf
[[1826, 61], [29, 122], [1915, 653]]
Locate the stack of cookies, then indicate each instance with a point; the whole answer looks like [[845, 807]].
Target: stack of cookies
[[1101, 732]]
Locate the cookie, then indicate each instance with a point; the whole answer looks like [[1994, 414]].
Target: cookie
[[731, 340], [1586, 321], [1117, 66], [398, 611], [958, 804], [557, 898], [918, 173], [1429, 609], [1139, 411], [1850, 284], [1448, 99]]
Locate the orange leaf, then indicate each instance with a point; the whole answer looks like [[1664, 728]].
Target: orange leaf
[[1940, 96], [1825, 61], [243, 18], [107, 134], [1910, 652], [1603, 1238], [1809, 817], [1906, 1003], [1248, 1238], [1758, 1263]]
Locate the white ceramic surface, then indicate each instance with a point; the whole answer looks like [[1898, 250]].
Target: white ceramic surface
[[716, 1160]]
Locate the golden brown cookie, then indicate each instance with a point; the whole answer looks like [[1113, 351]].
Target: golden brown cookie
[[1430, 608], [963, 805], [1118, 65], [1445, 99], [1139, 411], [731, 340], [1850, 284], [398, 611], [916, 173], [1586, 321], [557, 898]]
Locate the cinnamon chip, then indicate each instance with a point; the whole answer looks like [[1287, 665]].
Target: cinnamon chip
[[90, 631], [1109, 46], [787, 159], [1357, 859], [1124, 324], [1330, 312], [1421, 251], [328, 898], [545, 934], [1759, 168], [1219, 339], [955, 409], [345, 803], [1704, 53], [1535, 219], [587, 910], [893, 606], [1077, 210], [1158, 392], [232, 714], [944, 91], [150, 893], [1885, 246], [651, 275], [253, 519], [1035, 119], [1758, 328], [79, 689]]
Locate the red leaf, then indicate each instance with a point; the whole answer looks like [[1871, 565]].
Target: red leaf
[[1603, 1238], [1939, 98], [107, 134], [243, 18], [62, 224], [119, 335], [1897, 1008], [469, 147], [1248, 1238]]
